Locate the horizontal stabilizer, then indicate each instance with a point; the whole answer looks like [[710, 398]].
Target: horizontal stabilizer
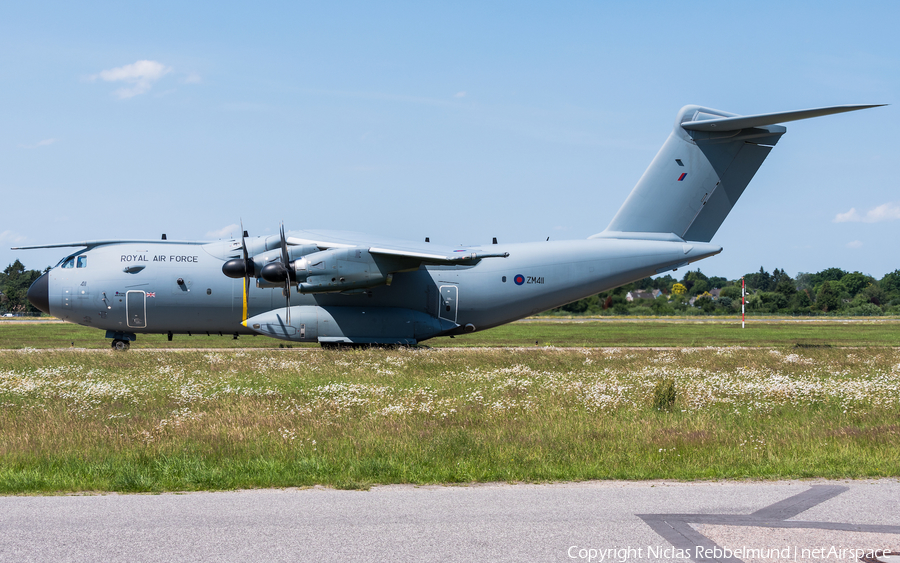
[[746, 121]]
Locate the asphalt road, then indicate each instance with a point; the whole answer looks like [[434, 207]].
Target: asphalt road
[[595, 521]]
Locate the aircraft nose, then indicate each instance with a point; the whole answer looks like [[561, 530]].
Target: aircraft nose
[[39, 293]]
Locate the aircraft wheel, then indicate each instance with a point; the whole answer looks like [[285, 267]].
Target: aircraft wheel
[[120, 345]]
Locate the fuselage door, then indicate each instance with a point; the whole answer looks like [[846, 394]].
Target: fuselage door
[[448, 303], [136, 309]]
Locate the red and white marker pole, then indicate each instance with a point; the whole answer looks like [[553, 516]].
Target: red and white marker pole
[[743, 293]]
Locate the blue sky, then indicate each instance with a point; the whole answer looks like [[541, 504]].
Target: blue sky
[[458, 121]]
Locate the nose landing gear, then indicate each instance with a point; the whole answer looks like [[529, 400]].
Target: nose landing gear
[[120, 345]]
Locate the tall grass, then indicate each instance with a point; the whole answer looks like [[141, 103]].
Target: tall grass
[[190, 420]]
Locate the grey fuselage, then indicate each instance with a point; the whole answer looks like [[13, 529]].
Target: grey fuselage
[[353, 288], [170, 287]]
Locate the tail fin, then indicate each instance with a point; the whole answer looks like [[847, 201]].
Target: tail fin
[[701, 171]]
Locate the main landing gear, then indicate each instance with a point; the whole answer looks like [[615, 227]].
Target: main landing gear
[[120, 340]]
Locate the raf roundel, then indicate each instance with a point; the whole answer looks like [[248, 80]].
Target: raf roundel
[[519, 279]]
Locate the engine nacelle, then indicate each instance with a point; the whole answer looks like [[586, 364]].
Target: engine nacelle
[[267, 267], [264, 284], [338, 269]]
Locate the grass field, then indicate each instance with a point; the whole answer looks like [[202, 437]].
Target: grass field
[[664, 332], [196, 419], [638, 332]]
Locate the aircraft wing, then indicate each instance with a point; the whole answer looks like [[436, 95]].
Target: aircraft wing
[[420, 253], [94, 243], [458, 256]]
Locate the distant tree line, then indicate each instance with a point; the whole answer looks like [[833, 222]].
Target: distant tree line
[[14, 283], [832, 291]]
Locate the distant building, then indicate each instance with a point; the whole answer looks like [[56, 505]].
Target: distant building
[[642, 294]]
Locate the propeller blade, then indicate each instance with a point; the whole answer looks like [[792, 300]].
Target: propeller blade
[[247, 266], [244, 240], [285, 260], [284, 251], [287, 294]]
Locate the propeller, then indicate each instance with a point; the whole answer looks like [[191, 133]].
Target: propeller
[[285, 260], [248, 267], [281, 272], [241, 268], [274, 272]]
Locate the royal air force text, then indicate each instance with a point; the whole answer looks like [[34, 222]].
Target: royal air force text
[[173, 258]]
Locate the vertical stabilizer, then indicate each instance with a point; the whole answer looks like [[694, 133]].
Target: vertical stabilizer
[[700, 172]]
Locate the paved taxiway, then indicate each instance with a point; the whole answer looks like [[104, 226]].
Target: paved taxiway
[[558, 522]]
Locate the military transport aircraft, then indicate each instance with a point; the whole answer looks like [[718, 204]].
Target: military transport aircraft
[[348, 288]]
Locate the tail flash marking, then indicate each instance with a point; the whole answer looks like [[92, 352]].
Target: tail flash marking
[[680, 178]]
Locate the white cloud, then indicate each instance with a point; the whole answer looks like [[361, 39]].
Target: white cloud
[[849, 217], [141, 75], [192, 78], [225, 232], [9, 236], [43, 143], [460, 94], [854, 244], [884, 212]]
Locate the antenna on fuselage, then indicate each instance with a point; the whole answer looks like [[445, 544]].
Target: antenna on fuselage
[[164, 236]]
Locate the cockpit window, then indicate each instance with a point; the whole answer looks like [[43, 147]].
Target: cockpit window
[[82, 262], [69, 263]]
